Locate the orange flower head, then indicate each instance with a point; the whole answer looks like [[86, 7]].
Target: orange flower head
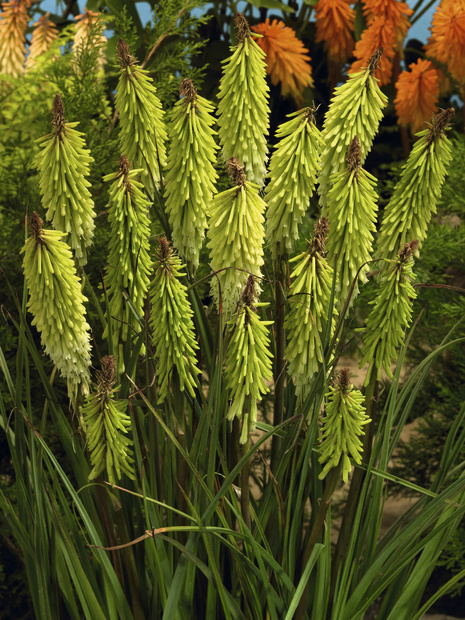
[[44, 34], [335, 26], [447, 42], [13, 25], [380, 33], [417, 94], [90, 24], [286, 58], [393, 11]]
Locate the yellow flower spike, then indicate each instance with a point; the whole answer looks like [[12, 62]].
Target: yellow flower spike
[[13, 25]]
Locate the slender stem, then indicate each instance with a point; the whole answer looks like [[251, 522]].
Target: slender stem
[[245, 488], [279, 365]]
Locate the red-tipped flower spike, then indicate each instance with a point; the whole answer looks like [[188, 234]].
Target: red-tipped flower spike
[[417, 94], [44, 34], [287, 60], [335, 26], [447, 42], [13, 26]]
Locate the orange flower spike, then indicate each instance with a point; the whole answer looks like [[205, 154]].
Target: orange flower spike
[[286, 58], [393, 11], [380, 33], [417, 94], [335, 26], [13, 25], [44, 34], [447, 42]]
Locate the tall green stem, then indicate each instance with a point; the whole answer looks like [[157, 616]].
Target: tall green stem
[[279, 366]]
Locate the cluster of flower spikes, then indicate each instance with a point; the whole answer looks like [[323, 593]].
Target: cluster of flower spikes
[[243, 107], [236, 233], [345, 417], [356, 109], [287, 60], [14, 19], [334, 21], [248, 360], [127, 275], [409, 211], [44, 34], [417, 94], [294, 166], [173, 336], [190, 180], [142, 136], [391, 314], [351, 210], [387, 26], [57, 304], [447, 42], [63, 165], [310, 300], [106, 425]]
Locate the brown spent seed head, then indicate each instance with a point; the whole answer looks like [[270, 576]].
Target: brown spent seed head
[[164, 250], [58, 114], [374, 60], [124, 167], [310, 113], [320, 232], [407, 250], [236, 171], [248, 294], [342, 381], [439, 123], [35, 224], [187, 90], [106, 376], [124, 55], [242, 26], [354, 154]]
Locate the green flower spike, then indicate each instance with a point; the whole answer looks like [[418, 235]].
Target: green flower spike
[[351, 211], [236, 234], [391, 314], [248, 361], [343, 424], [191, 177], [294, 167], [142, 137], [57, 303], [63, 165], [127, 275], [415, 196], [243, 107], [355, 110], [307, 319], [106, 424], [171, 321]]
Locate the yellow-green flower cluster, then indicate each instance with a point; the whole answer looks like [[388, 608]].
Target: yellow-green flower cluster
[[391, 314], [57, 304], [63, 165], [171, 322], [415, 196], [309, 300], [236, 235], [248, 361], [345, 417], [127, 275], [142, 136], [351, 211], [294, 167], [106, 425], [191, 177], [355, 110], [243, 107]]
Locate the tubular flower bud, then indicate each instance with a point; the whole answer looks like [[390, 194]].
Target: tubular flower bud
[[345, 417], [236, 235], [44, 34], [63, 165], [248, 361], [415, 196], [306, 323], [142, 137], [127, 275], [13, 25], [243, 107], [171, 321], [391, 314], [351, 212], [356, 110], [106, 425], [294, 166], [57, 304], [191, 177]]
